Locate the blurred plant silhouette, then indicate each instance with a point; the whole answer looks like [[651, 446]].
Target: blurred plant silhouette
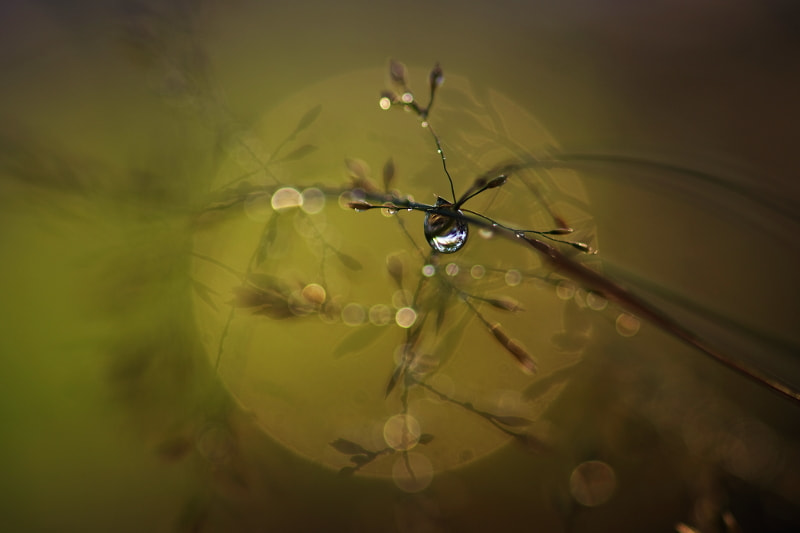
[[442, 298]]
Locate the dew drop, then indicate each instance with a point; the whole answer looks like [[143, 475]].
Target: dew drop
[[285, 198], [380, 314], [405, 317], [513, 278], [565, 290], [477, 271], [428, 270], [401, 432], [592, 483], [627, 325], [353, 314], [445, 234], [389, 210], [596, 302], [486, 233], [313, 201]]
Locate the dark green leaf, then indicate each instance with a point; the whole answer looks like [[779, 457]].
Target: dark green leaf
[[505, 303], [394, 378], [395, 267], [349, 447], [514, 421], [299, 153], [397, 71], [441, 311], [425, 438], [436, 77], [349, 261], [347, 470], [308, 119], [388, 174], [358, 169], [359, 339], [268, 236], [204, 292], [360, 459]]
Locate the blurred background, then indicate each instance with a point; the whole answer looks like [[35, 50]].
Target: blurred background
[[120, 124]]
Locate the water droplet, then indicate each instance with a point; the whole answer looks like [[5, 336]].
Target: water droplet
[[592, 483], [405, 317], [401, 432], [389, 210], [428, 270], [380, 314], [565, 290], [627, 325], [314, 293], [313, 201], [285, 198], [477, 271], [596, 302], [445, 234], [385, 103], [513, 278], [353, 314], [451, 269]]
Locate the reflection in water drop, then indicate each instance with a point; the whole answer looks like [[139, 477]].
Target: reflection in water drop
[[627, 325], [412, 472], [445, 234], [286, 197], [592, 483], [401, 432]]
